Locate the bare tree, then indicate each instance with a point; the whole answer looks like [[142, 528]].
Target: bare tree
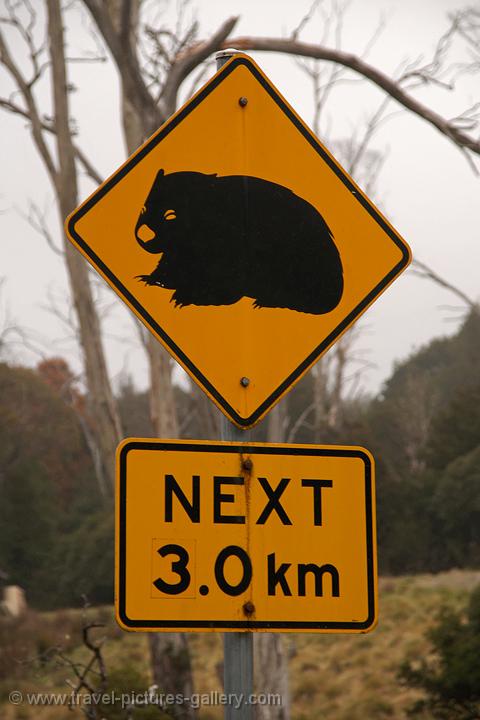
[[62, 173], [118, 23]]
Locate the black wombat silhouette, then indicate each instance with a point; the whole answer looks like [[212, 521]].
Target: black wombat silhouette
[[224, 238]]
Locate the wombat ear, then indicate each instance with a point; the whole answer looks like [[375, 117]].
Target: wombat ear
[[160, 174]]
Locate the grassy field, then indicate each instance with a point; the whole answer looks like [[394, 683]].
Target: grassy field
[[332, 677]]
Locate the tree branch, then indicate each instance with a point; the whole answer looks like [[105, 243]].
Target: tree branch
[[87, 165], [37, 220], [81, 157], [424, 271], [125, 59], [355, 63], [33, 115], [188, 61]]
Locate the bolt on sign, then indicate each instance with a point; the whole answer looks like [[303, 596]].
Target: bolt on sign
[[239, 241], [221, 536]]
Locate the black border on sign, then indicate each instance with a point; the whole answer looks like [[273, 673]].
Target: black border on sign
[[151, 322], [252, 450]]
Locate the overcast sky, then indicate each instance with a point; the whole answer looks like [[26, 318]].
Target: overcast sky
[[425, 188]]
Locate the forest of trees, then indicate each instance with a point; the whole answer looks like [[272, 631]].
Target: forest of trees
[[56, 531]]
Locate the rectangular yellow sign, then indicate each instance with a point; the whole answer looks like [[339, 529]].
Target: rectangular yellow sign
[[227, 536]]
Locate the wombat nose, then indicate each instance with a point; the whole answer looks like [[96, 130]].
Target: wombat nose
[[144, 233]]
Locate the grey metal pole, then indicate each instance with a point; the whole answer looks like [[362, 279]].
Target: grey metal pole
[[237, 647], [222, 56]]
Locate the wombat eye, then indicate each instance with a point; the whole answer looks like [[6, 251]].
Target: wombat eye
[[169, 215]]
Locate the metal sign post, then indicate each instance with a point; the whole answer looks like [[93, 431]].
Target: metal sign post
[[237, 647]]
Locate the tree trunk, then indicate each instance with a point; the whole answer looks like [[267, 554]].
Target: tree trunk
[[320, 399], [172, 670], [271, 655], [271, 673], [276, 422], [169, 652], [103, 412], [163, 412]]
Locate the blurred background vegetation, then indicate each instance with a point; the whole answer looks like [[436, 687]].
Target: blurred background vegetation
[[56, 531]]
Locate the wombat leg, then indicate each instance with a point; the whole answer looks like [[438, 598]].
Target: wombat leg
[[181, 301], [203, 296]]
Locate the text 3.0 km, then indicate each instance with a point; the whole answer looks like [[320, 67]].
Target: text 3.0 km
[[283, 578]]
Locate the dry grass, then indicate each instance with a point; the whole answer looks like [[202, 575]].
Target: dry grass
[[333, 677]]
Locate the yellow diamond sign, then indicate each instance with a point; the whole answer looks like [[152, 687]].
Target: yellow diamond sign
[[239, 241]]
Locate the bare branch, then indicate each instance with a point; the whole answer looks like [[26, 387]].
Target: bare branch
[[188, 61], [91, 676], [85, 59], [33, 115], [305, 19], [355, 151], [89, 169], [26, 31], [430, 73], [96, 649], [372, 126], [299, 422], [142, 331], [468, 119], [422, 270], [36, 219], [358, 65], [375, 35], [12, 334], [63, 310], [126, 59], [197, 79]]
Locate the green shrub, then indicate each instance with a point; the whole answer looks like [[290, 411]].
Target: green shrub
[[450, 680]]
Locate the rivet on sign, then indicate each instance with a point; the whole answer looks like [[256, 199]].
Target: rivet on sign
[[242, 101], [245, 382], [247, 465], [248, 608]]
